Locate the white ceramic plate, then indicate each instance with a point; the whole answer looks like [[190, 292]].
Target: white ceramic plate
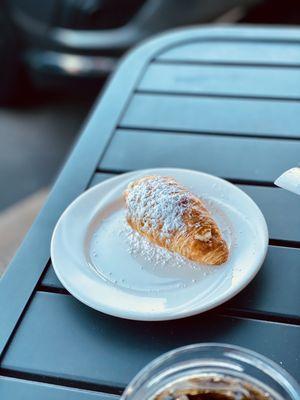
[[108, 267]]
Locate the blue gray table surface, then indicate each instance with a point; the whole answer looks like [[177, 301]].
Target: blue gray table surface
[[224, 100]]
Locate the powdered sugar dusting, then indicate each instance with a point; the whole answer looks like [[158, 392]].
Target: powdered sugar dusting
[[140, 247], [123, 257], [159, 203]]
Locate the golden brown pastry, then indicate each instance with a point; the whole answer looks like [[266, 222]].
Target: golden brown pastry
[[170, 216]]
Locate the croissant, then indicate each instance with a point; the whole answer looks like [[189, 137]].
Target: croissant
[[170, 216]]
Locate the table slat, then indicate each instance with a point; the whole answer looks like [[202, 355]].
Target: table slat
[[214, 115], [234, 51], [50, 280], [222, 80], [275, 290], [18, 389], [72, 341], [280, 209], [259, 160]]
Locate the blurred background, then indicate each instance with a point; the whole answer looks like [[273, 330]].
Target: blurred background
[[55, 57]]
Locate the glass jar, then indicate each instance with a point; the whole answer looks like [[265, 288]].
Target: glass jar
[[212, 359]]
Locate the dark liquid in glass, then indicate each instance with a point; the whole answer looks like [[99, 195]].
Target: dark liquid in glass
[[215, 388]]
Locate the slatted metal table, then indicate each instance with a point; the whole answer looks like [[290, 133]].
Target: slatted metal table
[[222, 100]]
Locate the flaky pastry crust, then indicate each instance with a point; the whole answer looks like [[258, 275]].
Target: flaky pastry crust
[[170, 216]]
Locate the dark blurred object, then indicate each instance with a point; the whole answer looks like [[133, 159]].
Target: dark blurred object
[[83, 39], [274, 12], [9, 56]]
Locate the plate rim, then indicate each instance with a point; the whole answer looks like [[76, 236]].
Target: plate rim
[[160, 316]]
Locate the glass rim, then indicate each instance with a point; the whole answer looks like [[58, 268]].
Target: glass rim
[[269, 367]]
